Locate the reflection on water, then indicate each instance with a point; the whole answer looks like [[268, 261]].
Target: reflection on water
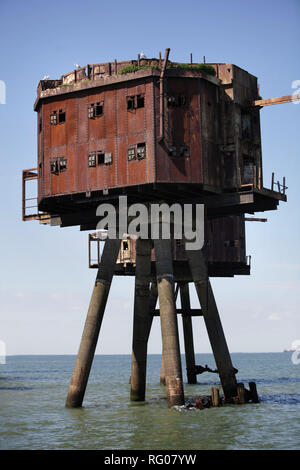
[[33, 391]]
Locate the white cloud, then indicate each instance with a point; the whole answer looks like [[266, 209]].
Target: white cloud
[[274, 317]]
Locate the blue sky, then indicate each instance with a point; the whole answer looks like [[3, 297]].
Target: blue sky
[[45, 282]]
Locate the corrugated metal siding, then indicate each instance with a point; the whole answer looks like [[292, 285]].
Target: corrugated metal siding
[[113, 132]]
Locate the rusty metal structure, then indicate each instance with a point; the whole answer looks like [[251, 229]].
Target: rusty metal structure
[[155, 131]]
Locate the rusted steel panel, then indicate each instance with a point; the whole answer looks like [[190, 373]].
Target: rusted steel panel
[[188, 129], [122, 160], [224, 243], [210, 134], [96, 125], [225, 239], [71, 120], [211, 139], [179, 128], [72, 167], [46, 150], [122, 113], [82, 174], [195, 138], [110, 113], [136, 117], [111, 169]]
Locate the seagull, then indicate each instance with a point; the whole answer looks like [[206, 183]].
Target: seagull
[[46, 77], [77, 66], [142, 56]]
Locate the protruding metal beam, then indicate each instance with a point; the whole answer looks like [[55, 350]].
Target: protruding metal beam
[[192, 312], [254, 219], [278, 100]]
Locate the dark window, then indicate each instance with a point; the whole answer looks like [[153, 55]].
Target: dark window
[[54, 167], [140, 100], [135, 102], [184, 151], [171, 101], [91, 112], [141, 151], [176, 100], [95, 110], [98, 109], [53, 118], [62, 164], [57, 165], [61, 116], [172, 151], [182, 100], [232, 243], [100, 158], [92, 159], [125, 245], [130, 103], [40, 125], [131, 154]]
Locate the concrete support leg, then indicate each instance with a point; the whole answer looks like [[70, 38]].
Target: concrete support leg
[[188, 334], [168, 319], [213, 323], [162, 378], [93, 323], [142, 320]]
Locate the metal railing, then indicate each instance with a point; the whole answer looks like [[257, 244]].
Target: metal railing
[[27, 202]]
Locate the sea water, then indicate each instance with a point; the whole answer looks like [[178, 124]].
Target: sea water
[[33, 391]]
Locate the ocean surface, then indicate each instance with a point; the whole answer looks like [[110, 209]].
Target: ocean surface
[[33, 390]]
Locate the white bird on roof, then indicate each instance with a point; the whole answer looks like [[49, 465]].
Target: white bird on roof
[[142, 56], [77, 66], [46, 77]]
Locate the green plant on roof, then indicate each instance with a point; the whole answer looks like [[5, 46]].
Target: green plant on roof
[[128, 69], [202, 67], [134, 68]]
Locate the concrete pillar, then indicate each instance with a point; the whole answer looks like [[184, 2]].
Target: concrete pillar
[[92, 325], [162, 378], [142, 320], [188, 334], [212, 321], [168, 320]]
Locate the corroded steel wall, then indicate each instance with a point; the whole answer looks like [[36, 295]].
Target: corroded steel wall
[[212, 136], [115, 131]]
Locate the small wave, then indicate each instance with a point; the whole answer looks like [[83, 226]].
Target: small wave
[[271, 380], [282, 398], [11, 379], [16, 388]]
